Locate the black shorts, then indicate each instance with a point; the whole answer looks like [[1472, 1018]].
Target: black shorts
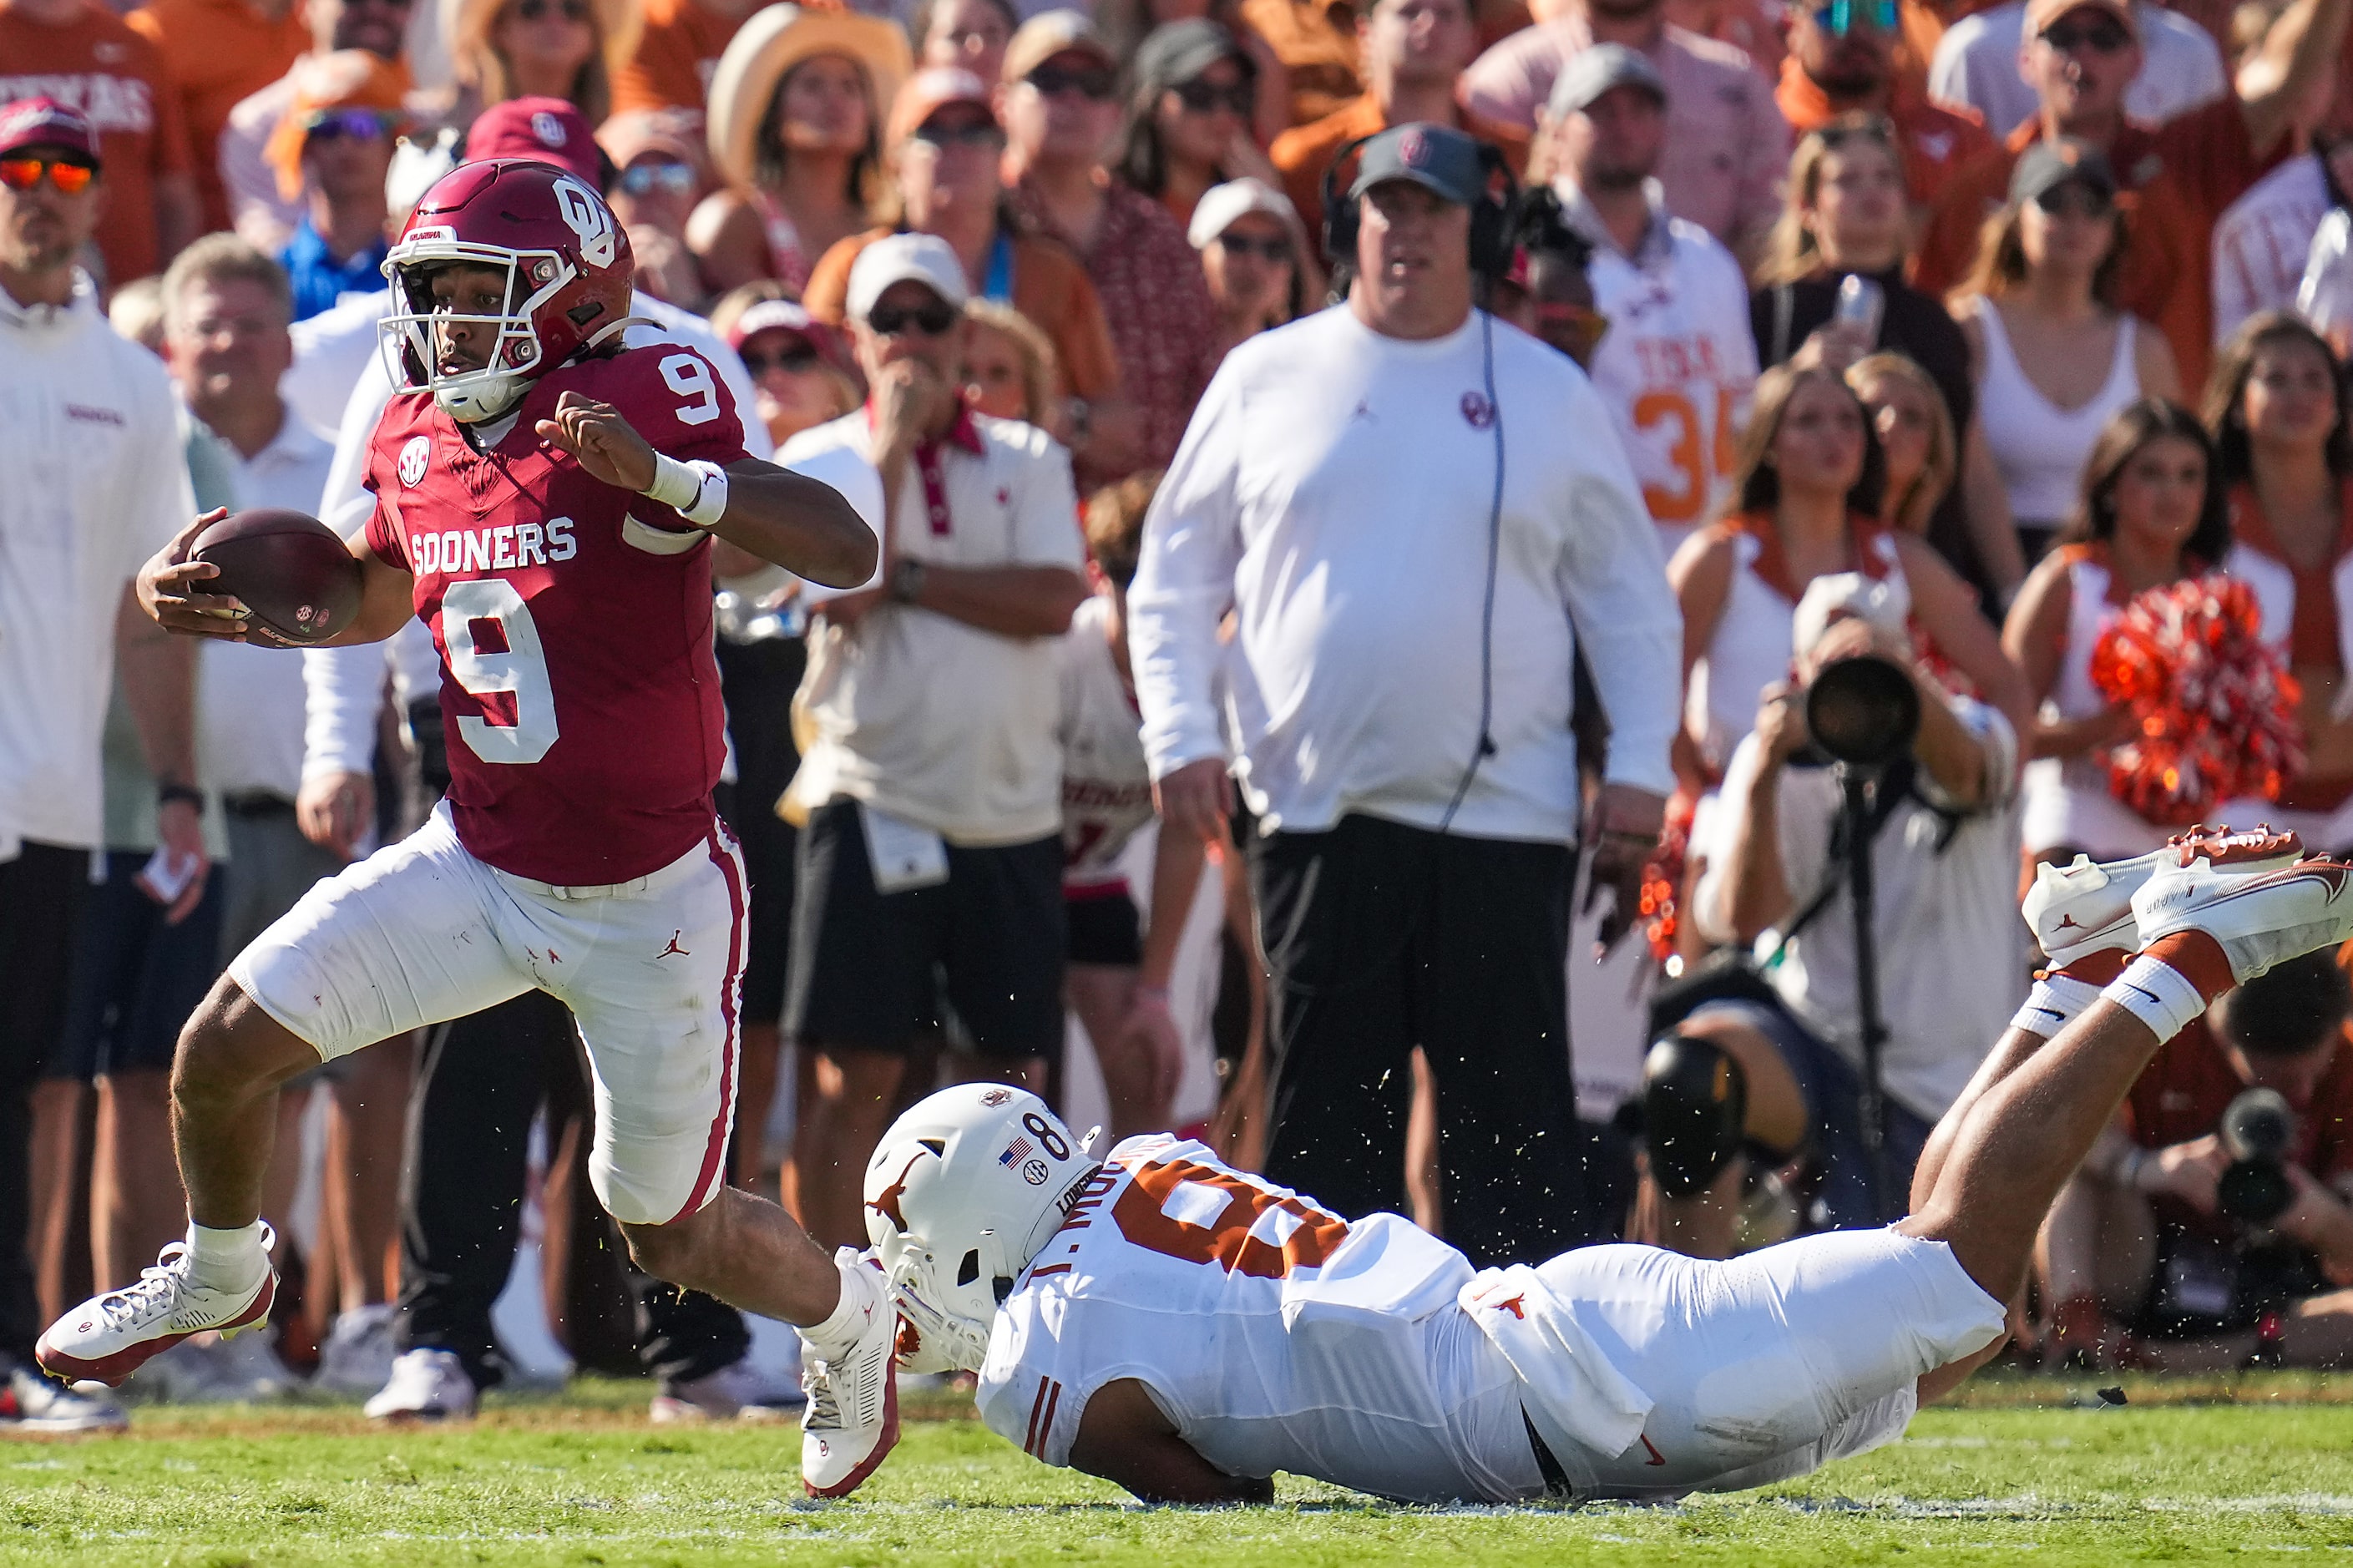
[[863, 961], [758, 681], [1104, 928], [136, 979], [42, 891]]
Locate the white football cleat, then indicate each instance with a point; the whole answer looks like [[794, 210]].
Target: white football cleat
[[852, 1419], [107, 1338], [2082, 910], [2257, 920], [426, 1384], [359, 1350]]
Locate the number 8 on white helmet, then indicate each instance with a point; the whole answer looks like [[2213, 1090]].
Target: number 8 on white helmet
[[961, 1192]]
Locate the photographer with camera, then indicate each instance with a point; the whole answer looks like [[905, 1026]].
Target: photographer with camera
[[1941, 825], [2210, 1225]]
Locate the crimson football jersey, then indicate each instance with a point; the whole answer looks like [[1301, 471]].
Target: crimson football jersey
[[579, 691]]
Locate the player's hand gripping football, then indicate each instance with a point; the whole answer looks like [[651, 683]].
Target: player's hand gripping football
[[606, 444], [172, 589]]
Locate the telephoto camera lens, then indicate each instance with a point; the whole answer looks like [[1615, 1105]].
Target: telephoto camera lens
[[1863, 711], [2257, 1127]]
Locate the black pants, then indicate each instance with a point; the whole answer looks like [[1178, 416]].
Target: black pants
[[482, 1080], [1382, 938], [41, 892]]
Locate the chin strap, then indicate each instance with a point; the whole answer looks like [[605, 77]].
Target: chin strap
[[930, 1339]]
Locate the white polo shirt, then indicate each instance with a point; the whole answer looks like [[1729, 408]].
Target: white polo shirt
[[91, 484], [1335, 488], [250, 700], [931, 720]]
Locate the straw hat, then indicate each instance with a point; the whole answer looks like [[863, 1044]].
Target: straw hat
[[772, 42], [466, 25]]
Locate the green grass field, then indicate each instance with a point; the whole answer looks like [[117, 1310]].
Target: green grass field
[[2236, 1469]]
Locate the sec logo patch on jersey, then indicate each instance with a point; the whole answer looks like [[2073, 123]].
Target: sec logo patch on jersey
[[413, 458]]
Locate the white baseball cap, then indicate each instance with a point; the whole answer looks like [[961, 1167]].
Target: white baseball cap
[[1220, 205], [924, 259]]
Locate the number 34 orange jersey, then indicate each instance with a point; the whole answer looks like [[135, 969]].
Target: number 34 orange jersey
[[1677, 367], [1274, 1334], [579, 692]]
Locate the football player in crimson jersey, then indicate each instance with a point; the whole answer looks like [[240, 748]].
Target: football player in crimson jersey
[[545, 500]]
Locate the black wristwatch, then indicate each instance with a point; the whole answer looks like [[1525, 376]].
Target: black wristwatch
[[166, 794], [906, 582]]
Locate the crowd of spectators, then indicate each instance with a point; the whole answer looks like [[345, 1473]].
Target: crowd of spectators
[[1928, 331]]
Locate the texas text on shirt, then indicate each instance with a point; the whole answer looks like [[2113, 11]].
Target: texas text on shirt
[[1325, 441], [1679, 362], [89, 443]]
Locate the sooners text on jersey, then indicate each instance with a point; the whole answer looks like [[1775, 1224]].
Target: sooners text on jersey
[[579, 692]]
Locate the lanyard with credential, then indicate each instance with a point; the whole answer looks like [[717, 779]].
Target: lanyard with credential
[[999, 285]]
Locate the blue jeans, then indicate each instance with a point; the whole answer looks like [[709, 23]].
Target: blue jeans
[[1833, 1094]]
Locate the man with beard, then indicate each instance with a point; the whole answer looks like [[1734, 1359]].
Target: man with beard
[[1679, 361], [1723, 169], [1843, 58]]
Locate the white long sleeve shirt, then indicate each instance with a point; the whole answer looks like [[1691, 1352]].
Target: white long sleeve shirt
[[1335, 489], [91, 483], [250, 700]]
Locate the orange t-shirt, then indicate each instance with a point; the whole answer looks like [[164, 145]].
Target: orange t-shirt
[[2176, 180], [110, 74], [1049, 286], [1934, 140], [218, 53], [1317, 42], [676, 55]]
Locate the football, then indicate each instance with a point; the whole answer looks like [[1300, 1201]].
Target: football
[[297, 576]]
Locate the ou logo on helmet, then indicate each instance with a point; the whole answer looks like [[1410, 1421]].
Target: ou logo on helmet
[[586, 216]]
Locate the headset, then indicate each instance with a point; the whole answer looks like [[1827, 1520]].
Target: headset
[[1492, 223]]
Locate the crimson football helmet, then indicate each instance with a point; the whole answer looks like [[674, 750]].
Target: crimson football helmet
[[569, 270]]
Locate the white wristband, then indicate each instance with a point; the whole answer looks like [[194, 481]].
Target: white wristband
[[696, 491], [2158, 994]]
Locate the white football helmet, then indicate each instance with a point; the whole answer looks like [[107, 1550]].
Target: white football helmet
[[961, 1192]]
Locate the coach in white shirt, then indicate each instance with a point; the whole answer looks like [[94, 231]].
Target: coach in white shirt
[[90, 484], [932, 777], [1416, 516]]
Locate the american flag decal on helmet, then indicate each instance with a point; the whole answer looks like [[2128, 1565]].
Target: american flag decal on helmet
[[1018, 1151]]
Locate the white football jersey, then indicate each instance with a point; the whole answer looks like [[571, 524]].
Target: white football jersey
[[1106, 786], [1274, 1334], [1677, 367]]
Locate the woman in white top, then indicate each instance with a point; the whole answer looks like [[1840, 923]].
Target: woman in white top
[[2283, 448], [2152, 513], [2052, 357], [1805, 503]]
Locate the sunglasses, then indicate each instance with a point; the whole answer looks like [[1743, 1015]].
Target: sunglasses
[[570, 10], [2075, 200], [360, 124], [645, 179], [1842, 17], [69, 177], [1052, 81], [2105, 35], [797, 360], [1276, 249], [1876, 128], [935, 319], [1205, 97], [980, 133]]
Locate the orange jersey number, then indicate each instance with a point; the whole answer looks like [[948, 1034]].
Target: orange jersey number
[[1696, 466], [1234, 1238]]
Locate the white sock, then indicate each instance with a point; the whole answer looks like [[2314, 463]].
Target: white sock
[[2158, 995], [862, 1298], [225, 1259], [2053, 1004]]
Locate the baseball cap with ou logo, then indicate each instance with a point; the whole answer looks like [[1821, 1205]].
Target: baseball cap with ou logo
[[546, 130], [46, 122], [1439, 157]]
